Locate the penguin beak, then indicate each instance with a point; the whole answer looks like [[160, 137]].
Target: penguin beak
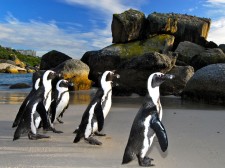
[[169, 76], [70, 84], [59, 75]]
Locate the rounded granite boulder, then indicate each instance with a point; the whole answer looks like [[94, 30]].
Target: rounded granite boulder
[[75, 71], [207, 84]]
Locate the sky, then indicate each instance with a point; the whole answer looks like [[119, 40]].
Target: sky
[[77, 26]]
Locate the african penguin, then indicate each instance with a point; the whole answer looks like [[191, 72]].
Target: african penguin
[[147, 123], [60, 100], [93, 118], [36, 84], [36, 109]]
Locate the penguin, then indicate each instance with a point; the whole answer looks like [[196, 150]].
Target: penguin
[[37, 110], [36, 83], [93, 118], [60, 101], [147, 124]]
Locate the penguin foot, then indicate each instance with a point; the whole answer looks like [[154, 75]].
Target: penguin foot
[[93, 141], [99, 134], [60, 121], [145, 162], [32, 136]]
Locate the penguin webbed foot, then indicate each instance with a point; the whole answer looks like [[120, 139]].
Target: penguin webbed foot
[[99, 134], [145, 162], [93, 141], [32, 136]]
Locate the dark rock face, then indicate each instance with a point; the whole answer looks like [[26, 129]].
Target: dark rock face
[[133, 72], [207, 57], [100, 61], [52, 59], [183, 27], [187, 50], [177, 85], [128, 26], [207, 84]]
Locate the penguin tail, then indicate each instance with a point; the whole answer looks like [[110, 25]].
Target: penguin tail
[[19, 131], [78, 136], [15, 124], [128, 156], [17, 134]]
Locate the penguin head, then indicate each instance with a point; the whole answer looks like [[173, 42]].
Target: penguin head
[[48, 76], [107, 79], [63, 84], [154, 81]]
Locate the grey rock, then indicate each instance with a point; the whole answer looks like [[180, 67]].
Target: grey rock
[[207, 57], [207, 84]]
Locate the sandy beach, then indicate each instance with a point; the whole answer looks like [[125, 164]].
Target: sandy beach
[[196, 134]]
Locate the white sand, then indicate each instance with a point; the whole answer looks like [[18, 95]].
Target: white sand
[[196, 140]]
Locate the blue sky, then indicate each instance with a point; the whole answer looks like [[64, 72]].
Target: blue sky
[[76, 26]]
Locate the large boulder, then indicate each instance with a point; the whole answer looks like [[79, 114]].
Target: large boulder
[[160, 43], [135, 72], [207, 57], [9, 68], [183, 27], [207, 84], [75, 71], [52, 59], [127, 26], [187, 50], [177, 85], [100, 61], [17, 61]]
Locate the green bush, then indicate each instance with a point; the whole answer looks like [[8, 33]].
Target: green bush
[[27, 59]]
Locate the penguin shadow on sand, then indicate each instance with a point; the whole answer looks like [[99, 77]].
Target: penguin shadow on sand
[[92, 121], [34, 111], [147, 123]]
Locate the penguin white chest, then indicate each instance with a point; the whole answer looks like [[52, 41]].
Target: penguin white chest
[[88, 129], [108, 103], [147, 140], [62, 103], [48, 100]]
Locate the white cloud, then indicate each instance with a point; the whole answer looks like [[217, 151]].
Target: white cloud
[[215, 10], [106, 6], [44, 37], [217, 31]]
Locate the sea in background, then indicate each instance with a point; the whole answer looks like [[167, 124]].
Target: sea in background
[[7, 79], [16, 96]]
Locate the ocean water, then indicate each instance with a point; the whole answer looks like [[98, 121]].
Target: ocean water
[[16, 96], [6, 80]]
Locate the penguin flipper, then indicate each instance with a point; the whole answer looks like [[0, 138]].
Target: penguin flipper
[[99, 116], [20, 112], [44, 115], [53, 111], [160, 131]]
